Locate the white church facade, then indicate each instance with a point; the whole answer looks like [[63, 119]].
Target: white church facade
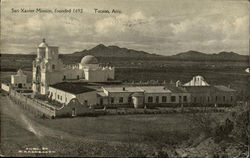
[[48, 69]]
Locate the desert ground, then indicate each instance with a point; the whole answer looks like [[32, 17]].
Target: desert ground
[[128, 135]]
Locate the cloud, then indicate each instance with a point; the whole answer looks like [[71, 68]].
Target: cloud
[[164, 27], [122, 23]]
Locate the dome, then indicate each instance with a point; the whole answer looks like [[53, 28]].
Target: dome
[[43, 44], [89, 59]]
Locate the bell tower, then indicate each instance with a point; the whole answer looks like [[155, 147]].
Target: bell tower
[[45, 67]]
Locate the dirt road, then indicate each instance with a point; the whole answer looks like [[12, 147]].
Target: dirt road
[[38, 135], [15, 112]]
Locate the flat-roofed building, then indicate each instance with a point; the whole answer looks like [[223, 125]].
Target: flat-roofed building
[[64, 92], [120, 95], [214, 94], [140, 96]]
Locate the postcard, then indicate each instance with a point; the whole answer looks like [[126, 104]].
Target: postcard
[[123, 78]]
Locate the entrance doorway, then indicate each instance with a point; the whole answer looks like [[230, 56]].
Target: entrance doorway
[[20, 85], [101, 101], [157, 99], [73, 112]]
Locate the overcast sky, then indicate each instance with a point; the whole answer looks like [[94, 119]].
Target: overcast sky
[[164, 27]]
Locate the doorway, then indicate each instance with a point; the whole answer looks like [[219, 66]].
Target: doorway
[[101, 101], [157, 99], [73, 112], [20, 85]]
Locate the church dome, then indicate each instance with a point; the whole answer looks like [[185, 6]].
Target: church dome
[[89, 59], [43, 44]]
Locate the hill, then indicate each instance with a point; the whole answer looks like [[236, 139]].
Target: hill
[[113, 51], [199, 56]]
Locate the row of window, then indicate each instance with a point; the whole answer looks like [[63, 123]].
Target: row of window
[[59, 97], [208, 99], [164, 99], [150, 99], [112, 100]]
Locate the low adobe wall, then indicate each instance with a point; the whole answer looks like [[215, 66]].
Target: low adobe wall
[[33, 105], [79, 109]]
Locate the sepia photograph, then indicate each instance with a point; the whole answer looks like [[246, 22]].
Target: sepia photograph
[[124, 78]]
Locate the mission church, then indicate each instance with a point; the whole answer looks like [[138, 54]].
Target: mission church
[[48, 69]]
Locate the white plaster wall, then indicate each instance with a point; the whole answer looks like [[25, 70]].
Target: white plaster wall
[[168, 95], [15, 79], [86, 73], [34, 87], [43, 90], [91, 98], [154, 95], [117, 95], [5, 87], [73, 73], [66, 97], [88, 66], [98, 75], [34, 74]]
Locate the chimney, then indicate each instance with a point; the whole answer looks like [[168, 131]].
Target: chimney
[[123, 88]]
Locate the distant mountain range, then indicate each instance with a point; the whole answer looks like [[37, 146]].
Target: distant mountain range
[[113, 51], [117, 52], [195, 55]]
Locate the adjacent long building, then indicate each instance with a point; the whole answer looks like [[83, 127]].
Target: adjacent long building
[[141, 96]]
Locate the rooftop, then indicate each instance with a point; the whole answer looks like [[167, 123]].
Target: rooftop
[[123, 89], [205, 89], [224, 88], [146, 89], [175, 89], [155, 89], [101, 94], [73, 87]]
